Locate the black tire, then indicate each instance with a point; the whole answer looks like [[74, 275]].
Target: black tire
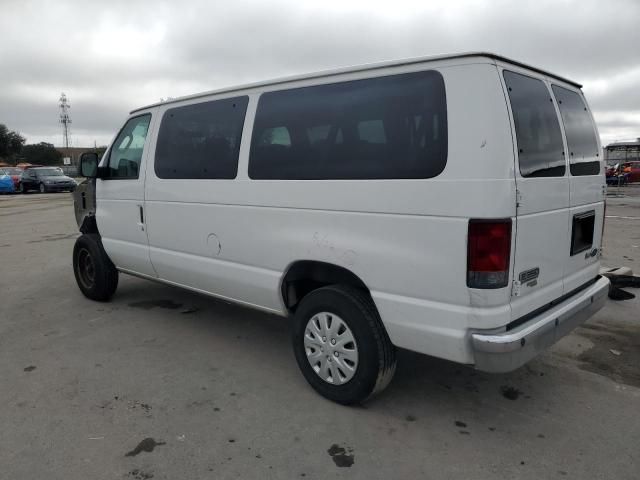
[[42, 188], [95, 274], [376, 353], [22, 189]]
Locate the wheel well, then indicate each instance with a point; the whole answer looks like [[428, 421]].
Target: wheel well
[[305, 276], [89, 225]]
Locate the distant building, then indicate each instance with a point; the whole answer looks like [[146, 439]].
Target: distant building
[[621, 152]]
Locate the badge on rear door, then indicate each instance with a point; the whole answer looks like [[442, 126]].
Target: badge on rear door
[[528, 276]]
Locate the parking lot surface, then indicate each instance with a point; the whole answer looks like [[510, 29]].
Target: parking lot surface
[[165, 384]]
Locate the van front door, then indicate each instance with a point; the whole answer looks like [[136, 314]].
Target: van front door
[[120, 206]]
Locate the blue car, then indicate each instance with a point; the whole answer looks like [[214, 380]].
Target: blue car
[[6, 183]]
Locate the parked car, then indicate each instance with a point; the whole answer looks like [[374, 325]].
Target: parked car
[[14, 173], [632, 170], [46, 179], [623, 173], [6, 183], [377, 206]]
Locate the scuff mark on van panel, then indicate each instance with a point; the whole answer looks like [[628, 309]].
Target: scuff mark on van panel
[[477, 298], [348, 258], [485, 306], [215, 247], [322, 241], [323, 248]]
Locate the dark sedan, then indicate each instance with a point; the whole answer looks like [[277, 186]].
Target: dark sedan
[[46, 179]]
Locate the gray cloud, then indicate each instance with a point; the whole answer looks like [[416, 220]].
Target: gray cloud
[[110, 58]]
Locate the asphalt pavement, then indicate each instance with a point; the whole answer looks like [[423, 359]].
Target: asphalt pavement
[[166, 384]]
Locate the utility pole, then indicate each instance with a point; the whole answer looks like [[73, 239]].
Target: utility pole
[[65, 120]]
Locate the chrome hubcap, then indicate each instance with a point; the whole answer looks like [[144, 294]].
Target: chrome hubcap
[[331, 348]]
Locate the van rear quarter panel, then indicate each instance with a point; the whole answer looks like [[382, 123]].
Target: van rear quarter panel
[[406, 239]]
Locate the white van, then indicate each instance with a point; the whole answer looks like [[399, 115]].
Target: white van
[[451, 205]]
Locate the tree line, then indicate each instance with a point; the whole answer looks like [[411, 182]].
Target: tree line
[[14, 150]]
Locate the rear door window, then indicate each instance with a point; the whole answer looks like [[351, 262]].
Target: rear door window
[[538, 136], [581, 136]]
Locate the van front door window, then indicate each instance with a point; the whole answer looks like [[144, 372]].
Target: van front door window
[[126, 153]]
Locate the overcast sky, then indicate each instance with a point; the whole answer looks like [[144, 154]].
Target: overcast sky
[[110, 57]]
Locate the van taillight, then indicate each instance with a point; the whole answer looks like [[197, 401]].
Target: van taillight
[[488, 253]]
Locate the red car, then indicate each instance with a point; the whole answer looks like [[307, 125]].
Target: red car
[[633, 169], [14, 173]]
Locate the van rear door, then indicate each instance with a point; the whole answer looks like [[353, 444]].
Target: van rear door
[[542, 186], [587, 187]]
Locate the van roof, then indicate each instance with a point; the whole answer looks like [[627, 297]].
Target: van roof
[[360, 68]]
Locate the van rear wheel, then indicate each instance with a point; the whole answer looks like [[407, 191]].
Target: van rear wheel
[[95, 274], [341, 345]]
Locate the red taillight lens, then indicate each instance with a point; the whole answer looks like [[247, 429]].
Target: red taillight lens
[[488, 253]]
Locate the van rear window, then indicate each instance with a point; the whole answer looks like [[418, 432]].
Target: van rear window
[[581, 136], [201, 140], [377, 128], [540, 149]]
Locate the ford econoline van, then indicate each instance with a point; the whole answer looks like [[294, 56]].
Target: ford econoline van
[[450, 205]]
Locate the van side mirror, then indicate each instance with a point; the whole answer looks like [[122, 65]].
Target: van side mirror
[[89, 164]]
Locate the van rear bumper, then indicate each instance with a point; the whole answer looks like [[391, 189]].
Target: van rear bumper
[[508, 350]]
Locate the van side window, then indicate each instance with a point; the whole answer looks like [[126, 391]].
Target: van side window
[[275, 136], [201, 140], [385, 127], [540, 149], [371, 131], [581, 136], [126, 152]]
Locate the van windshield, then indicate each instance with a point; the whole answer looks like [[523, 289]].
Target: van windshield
[[540, 149]]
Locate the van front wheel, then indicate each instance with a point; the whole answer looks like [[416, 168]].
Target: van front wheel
[[95, 274], [341, 345]]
